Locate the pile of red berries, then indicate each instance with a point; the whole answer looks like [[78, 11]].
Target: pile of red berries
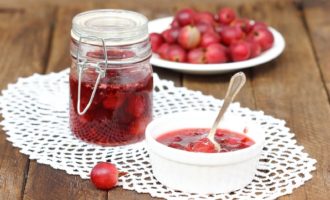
[[203, 37]]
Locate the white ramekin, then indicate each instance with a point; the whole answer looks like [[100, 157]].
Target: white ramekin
[[203, 172]]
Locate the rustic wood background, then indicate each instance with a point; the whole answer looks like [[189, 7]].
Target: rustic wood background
[[34, 38]]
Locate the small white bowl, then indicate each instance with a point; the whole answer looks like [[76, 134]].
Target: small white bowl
[[203, 173]]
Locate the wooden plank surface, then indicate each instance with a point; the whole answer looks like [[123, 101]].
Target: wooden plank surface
[[23, 49], [128, 3], [290, 88], [317, 19]]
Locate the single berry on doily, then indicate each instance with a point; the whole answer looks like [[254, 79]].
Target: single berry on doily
[[104, 175]]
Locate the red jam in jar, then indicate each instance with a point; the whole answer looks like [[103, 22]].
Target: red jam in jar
[[110, 94], [194, 139]]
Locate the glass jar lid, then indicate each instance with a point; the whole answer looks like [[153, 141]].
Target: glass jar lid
[[115, 27]]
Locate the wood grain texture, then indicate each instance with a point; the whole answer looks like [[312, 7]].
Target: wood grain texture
[[314, 3], [59, 55], [291, 88], [119, 193], [318, 23], [148, 3], [44, 182], [21, 55]]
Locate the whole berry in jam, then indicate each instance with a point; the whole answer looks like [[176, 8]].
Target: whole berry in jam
[[203, 145], [136, 105], [113, 101]]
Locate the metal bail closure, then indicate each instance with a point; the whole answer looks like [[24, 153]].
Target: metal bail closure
[[82, 65]]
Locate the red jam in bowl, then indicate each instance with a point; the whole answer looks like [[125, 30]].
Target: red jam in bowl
[[194, 140]]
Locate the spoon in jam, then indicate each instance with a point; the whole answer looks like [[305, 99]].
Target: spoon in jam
[[236, 83]]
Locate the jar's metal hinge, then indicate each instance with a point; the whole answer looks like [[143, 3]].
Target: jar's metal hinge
[[82, 65]]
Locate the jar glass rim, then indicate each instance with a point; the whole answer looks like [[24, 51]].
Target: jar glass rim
[[113, 26]]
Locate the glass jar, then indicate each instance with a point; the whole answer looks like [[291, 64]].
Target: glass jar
[[110, 78]]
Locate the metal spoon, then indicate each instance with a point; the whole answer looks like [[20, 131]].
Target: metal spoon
[[236, 83]]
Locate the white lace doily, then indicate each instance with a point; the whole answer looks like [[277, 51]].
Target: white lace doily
[[35, 112]]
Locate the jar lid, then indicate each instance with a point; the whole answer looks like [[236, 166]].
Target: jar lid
[[115, 27]]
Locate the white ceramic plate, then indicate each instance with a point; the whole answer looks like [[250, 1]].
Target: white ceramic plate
[[161, 24]]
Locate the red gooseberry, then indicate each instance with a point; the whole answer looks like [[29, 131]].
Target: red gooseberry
[[104, 175]]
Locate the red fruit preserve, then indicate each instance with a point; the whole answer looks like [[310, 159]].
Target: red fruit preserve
[[110, 93], [194, 139]]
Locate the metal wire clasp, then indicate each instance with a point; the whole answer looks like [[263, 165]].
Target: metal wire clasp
[[83, 64]]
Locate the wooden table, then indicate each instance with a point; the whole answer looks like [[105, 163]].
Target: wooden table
[[34, 38]]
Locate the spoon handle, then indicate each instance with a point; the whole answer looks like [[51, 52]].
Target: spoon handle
[[236, 83]]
